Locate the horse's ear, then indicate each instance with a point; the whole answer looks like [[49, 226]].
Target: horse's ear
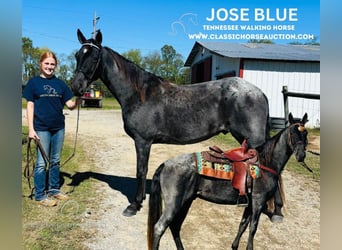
[[98, 37], [81, 37], [291, 120], [305, 119]]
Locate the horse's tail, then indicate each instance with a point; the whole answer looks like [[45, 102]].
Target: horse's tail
[[281, 190], [155, 206], [270, 202]]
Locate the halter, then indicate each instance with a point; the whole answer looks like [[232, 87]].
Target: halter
[[301, 129], [92, 45], [97, 63]]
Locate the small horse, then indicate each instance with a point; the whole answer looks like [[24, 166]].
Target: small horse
[[178, 181], [157, 111]]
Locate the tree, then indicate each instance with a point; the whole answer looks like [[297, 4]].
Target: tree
[[183, 76], [313, 41], [172, 63], [66, 67], [153, 62], [260, 41], [30, 56], [167, 63], [135, 56]]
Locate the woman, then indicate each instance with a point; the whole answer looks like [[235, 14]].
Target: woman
[[46, 96]]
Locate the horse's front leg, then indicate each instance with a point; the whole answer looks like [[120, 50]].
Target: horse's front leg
[[242, 227], [258, 205], [143, 149]]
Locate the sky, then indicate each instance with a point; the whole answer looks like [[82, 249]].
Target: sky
[[149, 25]]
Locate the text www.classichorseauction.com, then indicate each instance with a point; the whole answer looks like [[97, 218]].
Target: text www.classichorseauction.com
[[220, 24]]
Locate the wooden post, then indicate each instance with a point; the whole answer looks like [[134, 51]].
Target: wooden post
[[286, 94], [286, 105]]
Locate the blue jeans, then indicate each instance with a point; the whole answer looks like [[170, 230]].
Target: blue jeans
[[52, 143]]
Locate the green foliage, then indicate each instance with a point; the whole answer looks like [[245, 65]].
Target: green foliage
[[167, 63], [57, 227], [30, 64], [30, 56], [260, 41], [313, 41], [152, 63], [135, 56], [172, 62]]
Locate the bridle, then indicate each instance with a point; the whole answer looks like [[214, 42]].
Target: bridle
[[290, 143], [90, 77], [301, 129]]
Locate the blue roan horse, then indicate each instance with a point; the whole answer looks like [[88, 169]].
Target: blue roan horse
[[177, 182], [157, 111]]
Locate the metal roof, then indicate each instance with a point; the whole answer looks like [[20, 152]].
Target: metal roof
[[257, 51]]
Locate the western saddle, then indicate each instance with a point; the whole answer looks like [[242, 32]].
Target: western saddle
[[240, 158]]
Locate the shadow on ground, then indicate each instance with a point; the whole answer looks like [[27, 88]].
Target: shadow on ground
[[126, 185]]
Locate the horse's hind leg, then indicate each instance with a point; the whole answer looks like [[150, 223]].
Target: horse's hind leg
[[176, 225], [274, 206], [159, 230], [170, 218], [278, 204], [246, 217]]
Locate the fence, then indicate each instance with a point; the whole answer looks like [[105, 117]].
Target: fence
[[287, 94]]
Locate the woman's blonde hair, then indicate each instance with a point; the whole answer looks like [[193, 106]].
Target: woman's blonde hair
[[48, 54]]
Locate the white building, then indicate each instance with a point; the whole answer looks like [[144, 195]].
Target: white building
[[269, 66]]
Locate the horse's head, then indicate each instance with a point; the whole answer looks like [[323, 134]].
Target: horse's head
[[298, 137], [88, 59]]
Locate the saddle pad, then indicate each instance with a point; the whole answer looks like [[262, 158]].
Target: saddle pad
[[219, 170]]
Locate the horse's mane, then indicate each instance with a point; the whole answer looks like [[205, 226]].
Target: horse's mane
[[137, 76], [265, 150]]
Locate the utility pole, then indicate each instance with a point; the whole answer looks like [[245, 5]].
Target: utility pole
[[94, 24]]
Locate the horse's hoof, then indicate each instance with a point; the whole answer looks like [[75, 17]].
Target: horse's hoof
[[129, 211], [277, 218]]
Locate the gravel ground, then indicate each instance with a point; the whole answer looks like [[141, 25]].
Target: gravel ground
[[102, 135]]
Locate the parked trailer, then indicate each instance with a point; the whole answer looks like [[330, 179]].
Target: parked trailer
[[91, 102], [92, 98]]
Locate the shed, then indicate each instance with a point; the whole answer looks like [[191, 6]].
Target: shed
[[268, 66]]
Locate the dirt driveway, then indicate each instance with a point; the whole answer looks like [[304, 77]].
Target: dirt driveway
[[208, 226]]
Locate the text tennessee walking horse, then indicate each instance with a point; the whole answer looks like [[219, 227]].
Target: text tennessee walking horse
[[157, 111], [178, 182]]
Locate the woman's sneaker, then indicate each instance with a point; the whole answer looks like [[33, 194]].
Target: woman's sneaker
[[47, 202], [61, 196]]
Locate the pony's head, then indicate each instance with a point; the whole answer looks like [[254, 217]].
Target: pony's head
[[298, 137], [87, 59]]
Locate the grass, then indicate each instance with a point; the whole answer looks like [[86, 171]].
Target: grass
[[312, 160], [59, 227]]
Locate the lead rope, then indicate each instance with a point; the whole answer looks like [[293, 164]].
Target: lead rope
[[27, 173], [74, 151]]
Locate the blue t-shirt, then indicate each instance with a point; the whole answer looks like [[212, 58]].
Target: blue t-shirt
[[49, 96]]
